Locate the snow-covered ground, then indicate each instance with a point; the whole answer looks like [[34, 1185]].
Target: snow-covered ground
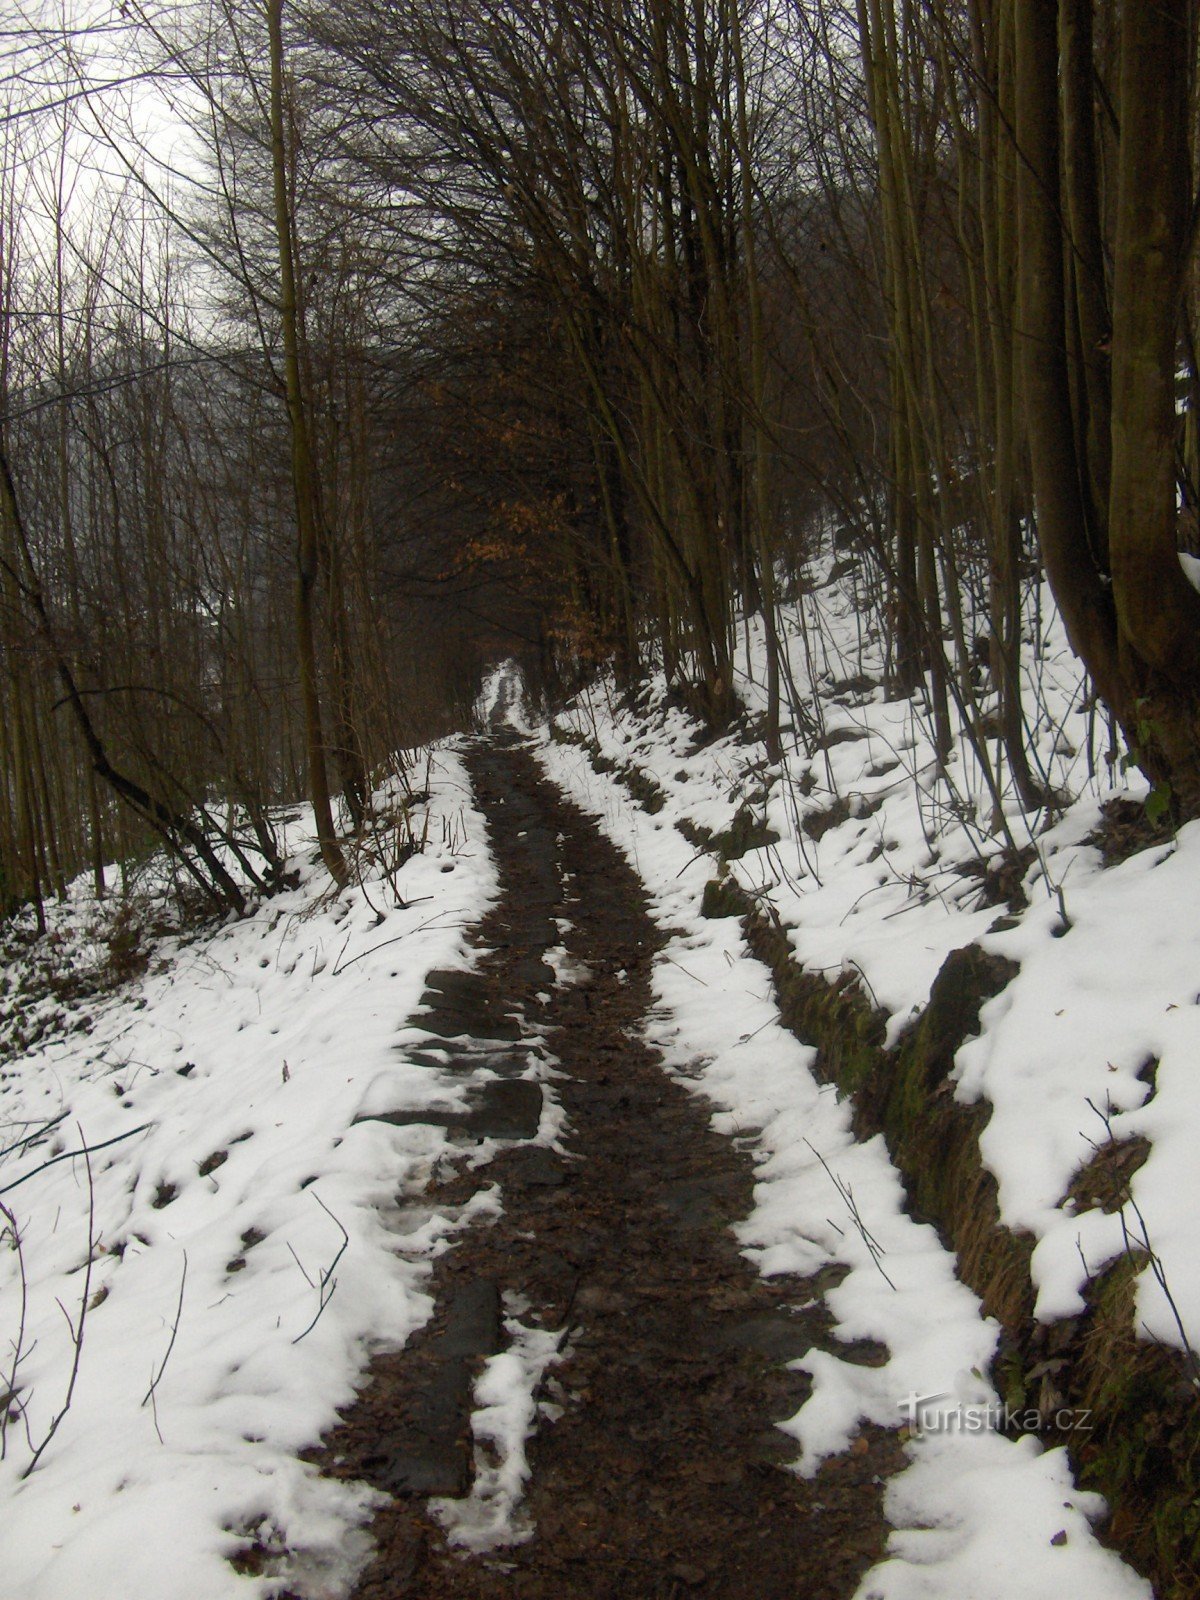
[[876, 885], [235, 1246]]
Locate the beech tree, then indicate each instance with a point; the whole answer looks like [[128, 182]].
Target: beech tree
[[1107, 506]]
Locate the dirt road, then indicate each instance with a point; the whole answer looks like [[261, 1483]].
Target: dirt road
[[658, 1470]]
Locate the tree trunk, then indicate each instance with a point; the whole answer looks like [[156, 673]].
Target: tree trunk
[[1158, 611], [307, 550], [1084, 599]]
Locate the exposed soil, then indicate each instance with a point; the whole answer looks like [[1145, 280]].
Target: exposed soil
[[664, 1474]]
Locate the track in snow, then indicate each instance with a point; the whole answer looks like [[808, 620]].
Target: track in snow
[[607, 1302]]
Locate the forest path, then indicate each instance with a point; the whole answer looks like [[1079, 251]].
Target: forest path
[[664, 1473]]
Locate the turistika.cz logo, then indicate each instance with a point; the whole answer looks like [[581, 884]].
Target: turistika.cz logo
[[942, 1413]]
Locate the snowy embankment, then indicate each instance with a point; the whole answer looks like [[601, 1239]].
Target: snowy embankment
[[206, 1286], [873, 869]]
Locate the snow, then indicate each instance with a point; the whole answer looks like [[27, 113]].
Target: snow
[[884, 882], [244, 1241], [241, 1060], [990, 1518], [567, 969], [1077, 1028], [501, 701], [506, 1414]]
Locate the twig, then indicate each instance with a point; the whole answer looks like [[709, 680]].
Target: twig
[[32, 1138], [76, 1329], [1153, 1260], [1087, 1271], [747, 1037], [342, 951], [408, 932], [328, 1281], [300, 1264], [682, 969], [10, 1398], [68, 1155], [162, 1366], [874, 1248]]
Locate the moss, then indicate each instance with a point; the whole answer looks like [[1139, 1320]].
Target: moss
[[834, 1016], [722, 898], [745, 833], [818, 823], [1143, 1452], [695, 833], [1143, 1448], [640, 784], [1104, 1182], [643, 788]]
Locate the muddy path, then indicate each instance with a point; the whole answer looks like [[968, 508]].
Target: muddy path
[[659, 1470]]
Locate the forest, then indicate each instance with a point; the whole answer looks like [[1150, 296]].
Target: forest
[[346, 350], [599, 799]]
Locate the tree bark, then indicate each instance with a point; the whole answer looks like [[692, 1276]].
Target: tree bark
[[1084, 598], [1158, 611], [307, 547]]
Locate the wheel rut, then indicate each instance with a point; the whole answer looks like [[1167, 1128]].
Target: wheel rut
[[659, 1470]]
